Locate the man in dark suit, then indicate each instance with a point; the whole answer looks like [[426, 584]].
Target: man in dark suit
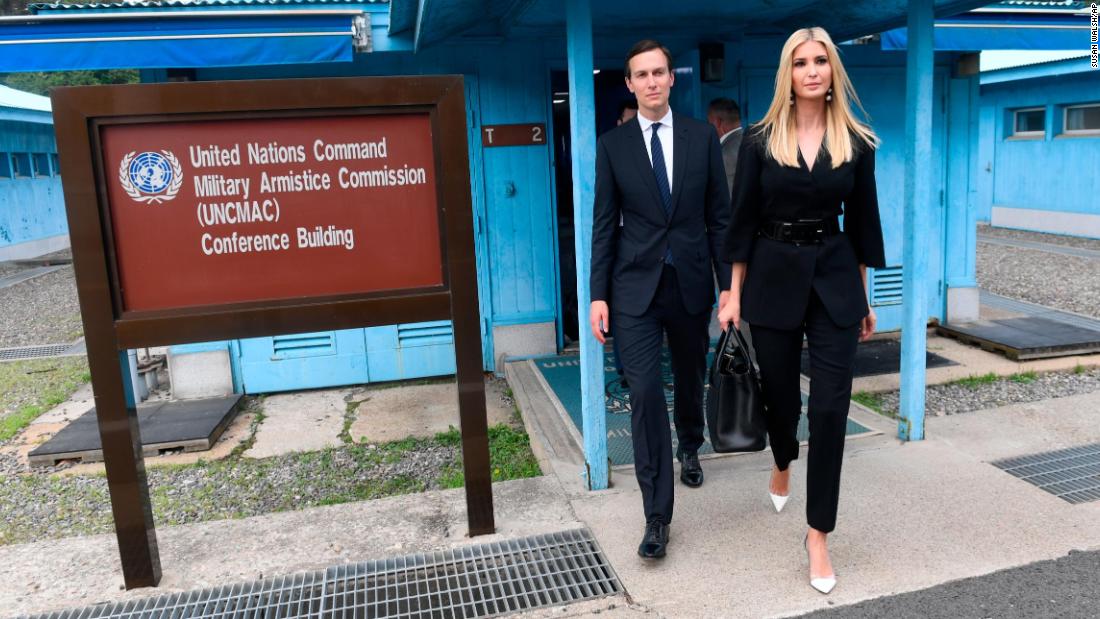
[[725, 116], [662, 175]]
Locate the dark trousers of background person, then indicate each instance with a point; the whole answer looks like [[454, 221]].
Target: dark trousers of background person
[[832, 356], [640, 339]]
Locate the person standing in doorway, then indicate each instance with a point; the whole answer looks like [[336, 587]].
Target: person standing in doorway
[[797, 275], [661, 175], [725, 116], [627, 111]]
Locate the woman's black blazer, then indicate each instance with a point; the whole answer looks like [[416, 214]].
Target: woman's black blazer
[[780, 275]]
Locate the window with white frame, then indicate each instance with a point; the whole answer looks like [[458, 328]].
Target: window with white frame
[[5, 165], [55, 164], [1029, 122], [1082, 119]]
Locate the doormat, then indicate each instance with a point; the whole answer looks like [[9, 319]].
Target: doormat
[[881, 357], [563, 374], [179, 425]]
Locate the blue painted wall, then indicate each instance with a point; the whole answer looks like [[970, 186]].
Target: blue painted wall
[[1054, 172], [31, 206]]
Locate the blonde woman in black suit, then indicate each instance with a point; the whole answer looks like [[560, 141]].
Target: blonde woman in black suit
[[796, 274]]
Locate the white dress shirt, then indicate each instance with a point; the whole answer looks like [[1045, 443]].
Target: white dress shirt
[[664, 134]]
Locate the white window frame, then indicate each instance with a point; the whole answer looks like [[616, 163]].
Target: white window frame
[[1029, 134], [1065, 120]]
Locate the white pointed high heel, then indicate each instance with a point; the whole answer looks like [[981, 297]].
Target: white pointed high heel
[[778, 501], [823, 585]]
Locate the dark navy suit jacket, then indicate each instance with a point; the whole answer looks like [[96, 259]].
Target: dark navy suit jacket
[[627, 261]]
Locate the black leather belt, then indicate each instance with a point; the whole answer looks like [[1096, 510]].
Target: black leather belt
[[802, 232]]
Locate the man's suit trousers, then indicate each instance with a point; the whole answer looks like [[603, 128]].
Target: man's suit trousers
[[640, 339], [832, 356]]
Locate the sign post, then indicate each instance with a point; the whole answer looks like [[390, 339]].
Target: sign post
[[218, 210]]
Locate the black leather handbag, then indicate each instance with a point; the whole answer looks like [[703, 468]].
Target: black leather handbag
[[735, 404]]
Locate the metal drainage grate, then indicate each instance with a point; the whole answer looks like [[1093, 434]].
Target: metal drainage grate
[[1070, 474], [33, 352], [473, 581]]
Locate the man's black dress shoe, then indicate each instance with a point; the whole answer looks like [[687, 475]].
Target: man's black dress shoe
[[655, 541], [691, 472]]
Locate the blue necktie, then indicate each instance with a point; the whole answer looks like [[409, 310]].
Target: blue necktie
[[661, 173]]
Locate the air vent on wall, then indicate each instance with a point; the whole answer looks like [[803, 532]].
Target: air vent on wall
[[886, 286]]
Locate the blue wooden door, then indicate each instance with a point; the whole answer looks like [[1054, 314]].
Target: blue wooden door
[[519, 219]]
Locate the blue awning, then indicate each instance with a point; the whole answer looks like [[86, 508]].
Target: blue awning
[[165, 40], [977, 32]]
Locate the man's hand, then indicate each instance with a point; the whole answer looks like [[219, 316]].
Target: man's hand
[[723, 297], [599, 320]]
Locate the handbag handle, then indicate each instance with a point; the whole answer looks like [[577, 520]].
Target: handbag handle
[[733, 353]]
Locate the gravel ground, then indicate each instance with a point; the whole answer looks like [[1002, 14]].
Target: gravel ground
[[37, 507], [43, 310], [40, 504], [1040, 237], [1062, 282], [956, 398]]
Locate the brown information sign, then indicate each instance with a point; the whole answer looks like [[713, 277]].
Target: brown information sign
[[219, 212], [532, 134], [207, 211]]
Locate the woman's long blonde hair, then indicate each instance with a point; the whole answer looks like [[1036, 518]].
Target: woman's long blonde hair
[[778, 124]]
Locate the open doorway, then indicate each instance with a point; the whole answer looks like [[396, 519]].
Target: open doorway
[[611, 94]]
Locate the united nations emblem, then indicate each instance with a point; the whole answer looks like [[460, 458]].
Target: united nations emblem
[[150, 177]]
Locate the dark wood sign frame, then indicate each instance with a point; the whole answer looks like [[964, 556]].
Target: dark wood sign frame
[[81, 112]]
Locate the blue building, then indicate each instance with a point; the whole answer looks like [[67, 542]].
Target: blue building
[[1039, 130], [558, 65], [32, 208], [1043, 119]]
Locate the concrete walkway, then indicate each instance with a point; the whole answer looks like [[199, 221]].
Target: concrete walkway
[[913, 515], [1041, 246]]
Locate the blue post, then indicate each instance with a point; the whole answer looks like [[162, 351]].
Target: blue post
[[582, 127], [918, 207]]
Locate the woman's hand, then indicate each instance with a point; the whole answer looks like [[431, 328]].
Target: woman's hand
[[730, 312], [867, 327]]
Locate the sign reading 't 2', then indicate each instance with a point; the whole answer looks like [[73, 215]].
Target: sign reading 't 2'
[[531, 134]]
